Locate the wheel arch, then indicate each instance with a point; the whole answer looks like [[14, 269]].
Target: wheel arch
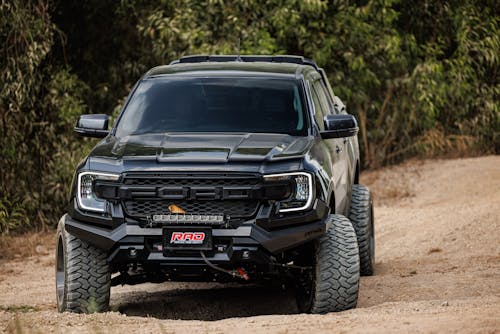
[[331, 203], [356, 173]]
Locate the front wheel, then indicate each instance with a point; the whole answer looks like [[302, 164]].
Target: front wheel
[[333, 283], [83, 278]]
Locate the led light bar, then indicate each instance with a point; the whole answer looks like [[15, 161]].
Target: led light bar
[[188, 218]]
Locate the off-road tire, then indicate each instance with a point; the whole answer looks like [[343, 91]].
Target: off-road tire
[[335, 273], [361, 217], [83, 279]]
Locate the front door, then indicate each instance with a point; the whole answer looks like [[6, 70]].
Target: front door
[[336, 146]]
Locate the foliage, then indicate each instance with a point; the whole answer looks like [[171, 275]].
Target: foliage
[[12, 215], [393, 69], [39, 103], [421, 76]]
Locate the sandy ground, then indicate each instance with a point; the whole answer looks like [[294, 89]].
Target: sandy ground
[[437, 270]]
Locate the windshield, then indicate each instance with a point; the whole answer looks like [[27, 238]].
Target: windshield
[[253, 104]]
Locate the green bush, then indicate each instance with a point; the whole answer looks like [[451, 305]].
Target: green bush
[[421, 76]]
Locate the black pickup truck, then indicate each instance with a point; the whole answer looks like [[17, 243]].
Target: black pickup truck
[[220, 168]]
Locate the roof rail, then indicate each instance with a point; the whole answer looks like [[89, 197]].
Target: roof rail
[[246, 58]]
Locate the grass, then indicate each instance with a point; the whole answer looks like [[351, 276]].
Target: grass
[[18, 308], [26, 245]]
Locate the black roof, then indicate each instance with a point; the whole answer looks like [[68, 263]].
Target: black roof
[[281, 65], [246, 58]]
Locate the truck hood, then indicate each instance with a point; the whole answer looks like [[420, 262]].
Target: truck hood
[[215, 148]]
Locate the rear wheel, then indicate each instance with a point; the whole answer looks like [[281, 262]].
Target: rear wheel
[[361, 217], [83, 279], [333, 283]]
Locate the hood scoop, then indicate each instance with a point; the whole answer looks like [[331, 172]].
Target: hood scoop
[[197, 148]]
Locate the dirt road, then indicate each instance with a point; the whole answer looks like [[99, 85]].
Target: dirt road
[[437, 270]]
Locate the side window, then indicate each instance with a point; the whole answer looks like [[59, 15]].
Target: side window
[[324, 99], [318, 111], [338, 107], [326, 85]]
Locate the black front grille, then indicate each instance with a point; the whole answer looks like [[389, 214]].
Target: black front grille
[[235, 209]]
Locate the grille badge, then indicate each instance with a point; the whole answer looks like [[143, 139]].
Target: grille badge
[[176, 209]]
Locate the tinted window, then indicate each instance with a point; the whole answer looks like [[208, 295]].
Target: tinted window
[[215, 105], [323, 97], [318, 112]]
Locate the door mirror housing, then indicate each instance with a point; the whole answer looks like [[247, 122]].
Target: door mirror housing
[[340, 126], [92, 125]]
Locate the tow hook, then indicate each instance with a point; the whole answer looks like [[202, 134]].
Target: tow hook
[[243, 274], [239, 272]]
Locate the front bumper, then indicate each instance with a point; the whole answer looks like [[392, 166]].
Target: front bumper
[[248, 242]]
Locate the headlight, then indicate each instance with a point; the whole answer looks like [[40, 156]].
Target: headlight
[[302, 195], [87, 200]]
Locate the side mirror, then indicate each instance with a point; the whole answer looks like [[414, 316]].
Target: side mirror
[[340, 126], [93, 125]]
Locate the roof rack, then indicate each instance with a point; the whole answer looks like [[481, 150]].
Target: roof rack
[[248, 58]]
